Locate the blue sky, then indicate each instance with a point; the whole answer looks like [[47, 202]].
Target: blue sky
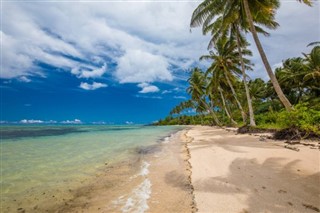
[[115, 62]]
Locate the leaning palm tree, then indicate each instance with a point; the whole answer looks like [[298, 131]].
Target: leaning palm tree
[[219, 29], [263, 12], [269, 9], [225, 64], [197, 88], [216, 89]]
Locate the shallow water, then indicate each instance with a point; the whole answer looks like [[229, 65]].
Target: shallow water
[[43, 160]]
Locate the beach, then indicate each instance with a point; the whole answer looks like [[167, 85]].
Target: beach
[[249, 173], [177, 169]]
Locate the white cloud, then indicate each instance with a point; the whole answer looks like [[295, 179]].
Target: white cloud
[[75, 121], [33, 121], [145, 38], [93, 86], [147, 88], [166, 91], [137, 66], [179, 97], [155, 31], [25, 121], [99, 122], [152, 97], [93, 72], [24, 79]]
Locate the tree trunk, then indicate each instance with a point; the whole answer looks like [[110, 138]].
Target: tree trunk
[[225, 108], [243, 114], [244, 78], [215, 118], [273, 78]]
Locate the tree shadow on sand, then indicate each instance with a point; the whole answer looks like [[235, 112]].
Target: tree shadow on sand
[[269, 187]]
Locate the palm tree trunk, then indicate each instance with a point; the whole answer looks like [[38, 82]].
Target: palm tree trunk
[[244, 78], [225, 107], [273, 78], [243, 114], [215, 118]]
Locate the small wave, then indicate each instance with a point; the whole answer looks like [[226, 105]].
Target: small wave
[[144, 170], [137, 202], [166, 139]]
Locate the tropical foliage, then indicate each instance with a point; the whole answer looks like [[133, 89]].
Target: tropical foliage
[[214, 99], [222, 94]]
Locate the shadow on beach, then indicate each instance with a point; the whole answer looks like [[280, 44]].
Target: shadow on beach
[[270, 186]]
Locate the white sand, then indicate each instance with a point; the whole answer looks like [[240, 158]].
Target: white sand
[[240, 173]]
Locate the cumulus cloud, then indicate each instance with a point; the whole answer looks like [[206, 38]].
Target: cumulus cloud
[[93, 72], [147, 88], [75, 121], [145, 40], [151, 36], [25, 121], [137, 66], [33, 121], [93, 86]]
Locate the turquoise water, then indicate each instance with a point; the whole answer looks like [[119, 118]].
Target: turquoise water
[[34, 158]]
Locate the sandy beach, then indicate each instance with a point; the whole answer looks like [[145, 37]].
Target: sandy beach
[[196, 169], [247, 173]]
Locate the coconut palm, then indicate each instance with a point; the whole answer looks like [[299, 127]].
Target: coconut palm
[[217, 90], [263, 12], [269, 9], [227, 24], [197, 88], [301, 75], [241, 43], [225, 64]]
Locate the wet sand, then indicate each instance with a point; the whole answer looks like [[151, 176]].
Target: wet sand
[[247, 173], [170, 177]]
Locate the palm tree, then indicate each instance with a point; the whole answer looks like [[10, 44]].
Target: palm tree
[[197, 88], [223, 25], [263, 12], [301, 75], [217, 88], [307, 2], [226, 65], [269, 9]]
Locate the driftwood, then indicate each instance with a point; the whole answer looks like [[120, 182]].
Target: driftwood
[[292, 148]]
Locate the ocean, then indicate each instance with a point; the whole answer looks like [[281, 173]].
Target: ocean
[[60, 168]]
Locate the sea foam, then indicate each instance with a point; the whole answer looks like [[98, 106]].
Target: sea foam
[[137, 199], [137, 202]]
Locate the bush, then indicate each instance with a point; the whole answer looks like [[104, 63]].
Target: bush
[[302, 117]]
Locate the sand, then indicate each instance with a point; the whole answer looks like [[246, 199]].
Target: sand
[[200, 169], [244, 173]]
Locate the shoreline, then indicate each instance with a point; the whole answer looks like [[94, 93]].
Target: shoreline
[[199, 169], [252, 173]]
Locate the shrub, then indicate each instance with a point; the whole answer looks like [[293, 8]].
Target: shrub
[[301, 117]]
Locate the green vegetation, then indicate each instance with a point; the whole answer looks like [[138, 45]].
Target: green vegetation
[[222, 95]]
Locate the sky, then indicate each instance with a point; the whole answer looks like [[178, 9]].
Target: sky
[[117, 62]]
